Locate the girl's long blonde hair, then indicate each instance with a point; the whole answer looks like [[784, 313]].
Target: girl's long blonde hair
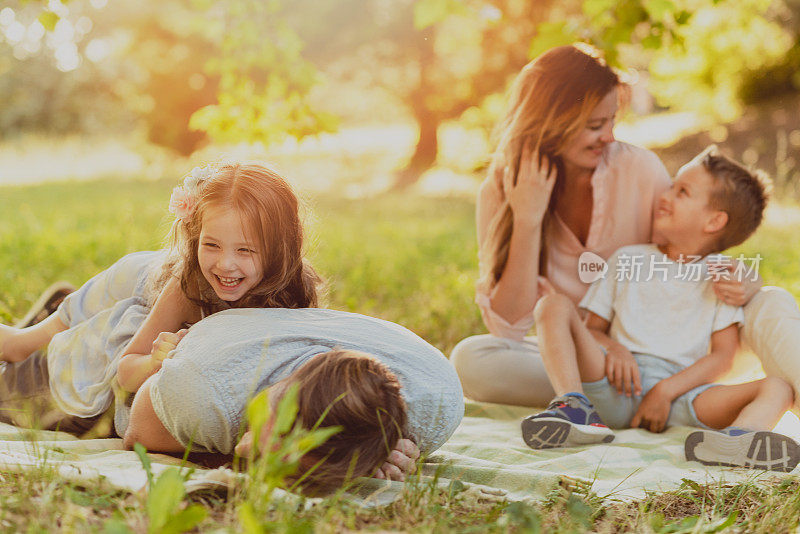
[[269, 209], [550, 103]]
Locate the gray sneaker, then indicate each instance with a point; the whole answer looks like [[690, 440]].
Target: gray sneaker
[[736, 447], [568, 421]]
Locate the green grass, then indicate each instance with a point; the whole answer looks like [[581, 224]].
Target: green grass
[[38, 501], [400, 257]]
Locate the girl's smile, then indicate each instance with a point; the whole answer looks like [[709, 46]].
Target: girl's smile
[[229, 282]]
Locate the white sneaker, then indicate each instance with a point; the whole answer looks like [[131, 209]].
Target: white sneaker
[[736, 447]]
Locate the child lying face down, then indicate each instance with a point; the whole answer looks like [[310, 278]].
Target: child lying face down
[[656, 336]]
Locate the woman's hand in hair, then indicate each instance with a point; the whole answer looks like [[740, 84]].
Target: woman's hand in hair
[[529, 195], [401, 462]]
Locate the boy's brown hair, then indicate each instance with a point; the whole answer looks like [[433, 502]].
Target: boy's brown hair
[[740, 192], [363, 397]]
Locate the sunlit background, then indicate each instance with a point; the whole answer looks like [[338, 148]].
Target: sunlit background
[[354, 98], [91, 88]]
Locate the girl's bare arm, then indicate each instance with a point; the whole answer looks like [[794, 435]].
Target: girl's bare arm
[[170, 312]]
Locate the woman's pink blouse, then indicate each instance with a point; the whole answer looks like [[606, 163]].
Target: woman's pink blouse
[[625, 187]]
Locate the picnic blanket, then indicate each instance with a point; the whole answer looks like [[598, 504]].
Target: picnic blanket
[[487, 450], [79, 460], [486, 455]]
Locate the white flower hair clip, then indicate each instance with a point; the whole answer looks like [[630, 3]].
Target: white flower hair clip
[[184, 197]]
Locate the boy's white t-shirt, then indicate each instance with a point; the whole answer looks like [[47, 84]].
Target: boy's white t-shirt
[[658, 306]]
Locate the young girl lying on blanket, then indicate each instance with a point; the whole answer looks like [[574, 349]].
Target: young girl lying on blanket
[[642, 358], [237, 242]]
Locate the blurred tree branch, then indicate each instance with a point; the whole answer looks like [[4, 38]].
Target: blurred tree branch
[[264, 79]]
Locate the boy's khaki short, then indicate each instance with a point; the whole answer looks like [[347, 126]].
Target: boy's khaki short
[[616, 410]]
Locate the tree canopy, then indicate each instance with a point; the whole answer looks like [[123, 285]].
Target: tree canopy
[[242, 70]]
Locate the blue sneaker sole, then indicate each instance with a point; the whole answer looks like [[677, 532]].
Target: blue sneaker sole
[[768, 451], [552, 432]]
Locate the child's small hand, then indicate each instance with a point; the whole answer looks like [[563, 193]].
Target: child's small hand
[[622, 371], [402, 461], [164, 343], [732, 289], [653, 412]]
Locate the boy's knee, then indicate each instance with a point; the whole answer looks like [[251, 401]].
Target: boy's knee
[[552, 306]]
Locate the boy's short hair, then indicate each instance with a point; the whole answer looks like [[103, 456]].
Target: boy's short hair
[[357, 392], [740, 192]]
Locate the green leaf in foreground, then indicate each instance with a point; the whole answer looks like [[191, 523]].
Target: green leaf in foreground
[[116, 525], [165, 497], [248, 521], [279, 443], [695, 524], [141, 452], [164, 502]]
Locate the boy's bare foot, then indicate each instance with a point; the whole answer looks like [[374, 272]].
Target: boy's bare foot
[[736, 447]]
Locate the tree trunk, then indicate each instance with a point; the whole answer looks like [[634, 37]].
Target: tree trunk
[[427, 119], [425, 152]]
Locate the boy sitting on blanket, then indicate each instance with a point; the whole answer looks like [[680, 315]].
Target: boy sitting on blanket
[[642, 357]]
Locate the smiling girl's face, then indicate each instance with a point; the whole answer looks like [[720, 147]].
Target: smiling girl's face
[[229, 260]]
